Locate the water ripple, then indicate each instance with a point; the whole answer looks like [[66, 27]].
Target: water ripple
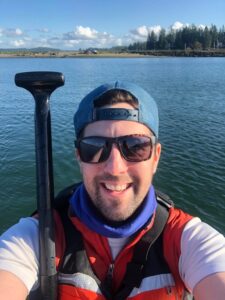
[[190, 95]]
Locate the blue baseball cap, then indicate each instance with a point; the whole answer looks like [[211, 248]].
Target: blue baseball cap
[[147, 112]]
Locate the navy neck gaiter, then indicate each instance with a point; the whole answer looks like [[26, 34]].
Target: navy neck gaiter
[[87, 213]]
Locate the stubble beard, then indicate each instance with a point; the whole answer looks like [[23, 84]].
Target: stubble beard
[[111, 210]]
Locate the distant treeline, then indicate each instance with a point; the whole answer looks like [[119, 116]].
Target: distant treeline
[[187, 38]]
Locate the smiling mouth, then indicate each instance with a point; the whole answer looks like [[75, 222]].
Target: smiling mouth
[[116, 187]]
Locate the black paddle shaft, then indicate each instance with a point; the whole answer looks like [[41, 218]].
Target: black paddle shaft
[[41, 85]]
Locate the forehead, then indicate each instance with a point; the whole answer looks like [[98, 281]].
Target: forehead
[[116, 128]]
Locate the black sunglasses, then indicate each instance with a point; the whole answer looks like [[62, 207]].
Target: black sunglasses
[[133, 148]]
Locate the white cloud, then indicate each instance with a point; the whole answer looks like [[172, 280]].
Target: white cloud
[[143, 31], [179, 26], [12, 32], [18, 31], [201, 26], [80, 37], [27, 38], [43, 42], [17, 43], [85, 33], [84, 37], [71, 43], [156, 29], [44, 30]]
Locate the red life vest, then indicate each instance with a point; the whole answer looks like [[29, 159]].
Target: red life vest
[[86, 271]]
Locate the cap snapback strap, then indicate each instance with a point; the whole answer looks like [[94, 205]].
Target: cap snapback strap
[[115, 114]]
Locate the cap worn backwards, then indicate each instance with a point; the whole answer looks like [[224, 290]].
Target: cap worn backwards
[[147, 112]]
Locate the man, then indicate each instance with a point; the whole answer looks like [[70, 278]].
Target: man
[[120, 240]]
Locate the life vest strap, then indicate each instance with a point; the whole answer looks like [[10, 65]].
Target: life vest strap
[[135, 269]]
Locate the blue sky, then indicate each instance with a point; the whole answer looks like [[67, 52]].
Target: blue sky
[[74, 24]]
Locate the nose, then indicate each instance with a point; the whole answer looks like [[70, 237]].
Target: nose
[[115, 164]]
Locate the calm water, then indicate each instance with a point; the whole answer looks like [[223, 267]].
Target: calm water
[[190, 93]]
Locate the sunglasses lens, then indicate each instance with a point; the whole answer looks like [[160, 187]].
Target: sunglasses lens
[[136, 148], [93, 149]]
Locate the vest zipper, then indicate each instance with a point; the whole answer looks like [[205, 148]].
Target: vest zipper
[[109, 277], [110, 271]]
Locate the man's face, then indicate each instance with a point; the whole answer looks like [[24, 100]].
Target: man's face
[[117, 187]]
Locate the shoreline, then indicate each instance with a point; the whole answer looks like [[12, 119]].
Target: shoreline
[[71, 56], [137, 54]]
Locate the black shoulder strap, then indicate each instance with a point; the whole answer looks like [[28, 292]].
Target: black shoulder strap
[[61, 200], [141, 251]]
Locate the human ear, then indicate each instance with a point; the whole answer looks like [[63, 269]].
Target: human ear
[[77, 157], [157, 153]]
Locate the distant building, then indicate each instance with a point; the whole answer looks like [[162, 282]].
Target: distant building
[[90, 51]]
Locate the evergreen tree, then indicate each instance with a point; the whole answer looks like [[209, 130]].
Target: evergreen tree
[[162, 43], [151, 41], [214, 36], [170, 38], [179, 44], [221, 37], [148, 42], [188, 37], [207, 40]]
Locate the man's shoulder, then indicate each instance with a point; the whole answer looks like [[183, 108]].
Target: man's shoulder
[[27, 226], [174, 228], [178, 216]]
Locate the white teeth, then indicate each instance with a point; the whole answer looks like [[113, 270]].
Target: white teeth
[[117, 188]]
